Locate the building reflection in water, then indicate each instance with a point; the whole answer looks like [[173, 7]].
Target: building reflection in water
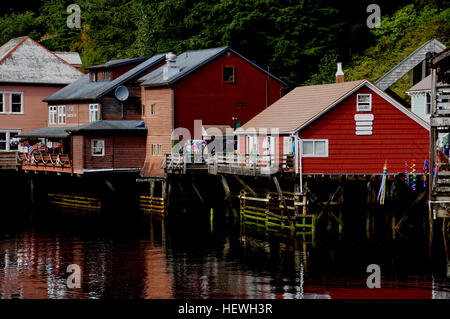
[[152, 262]]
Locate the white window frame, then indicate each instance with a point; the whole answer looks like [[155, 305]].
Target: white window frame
[[363, 107], [10, 102], [93, 147], [93, 109], [314, 148], [8, 140], [61, 114], [52, 115], [3, 103]]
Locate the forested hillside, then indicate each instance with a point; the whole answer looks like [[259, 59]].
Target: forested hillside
[[298, 40]]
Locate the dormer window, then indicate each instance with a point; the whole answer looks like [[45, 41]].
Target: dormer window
[[228, 74]]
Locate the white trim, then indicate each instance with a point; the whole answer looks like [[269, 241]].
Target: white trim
[[400, 107], [21, 103], [52, 109], [379, 92], [94, 170], [92, 147], [364, 117], [62, 114], [10, 102], [94, 110], [356, 88], [314, 140], [8, 139]]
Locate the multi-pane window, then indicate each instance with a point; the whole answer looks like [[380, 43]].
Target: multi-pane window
[[16, 103], [7, 141], [98, 147], [364, 102], [2, 103], [61, 114], [315, 148], [93, 112], [52, 114]]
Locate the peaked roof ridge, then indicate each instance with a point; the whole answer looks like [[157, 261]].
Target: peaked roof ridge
[[82, 89], [19, 40], [436, 42], [305, 104], [155, 78], [23, 60], [54, 54]]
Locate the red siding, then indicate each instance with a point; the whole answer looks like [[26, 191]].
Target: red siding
[[396, 138], [203, 95], [120, 152]]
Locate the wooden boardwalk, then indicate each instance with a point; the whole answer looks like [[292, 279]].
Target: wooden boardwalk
[[237, 164]]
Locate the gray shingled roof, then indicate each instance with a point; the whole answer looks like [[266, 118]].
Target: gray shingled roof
[[115, 125], [23, 60], [85, 90], [115, 63], [55, 132], [189, 62], [102, 125], [423, 85], [70, 57]]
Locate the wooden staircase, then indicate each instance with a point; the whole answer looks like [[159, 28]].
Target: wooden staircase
[[412, 60]]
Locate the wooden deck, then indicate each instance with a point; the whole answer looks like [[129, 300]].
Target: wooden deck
[[238, 164], [45, 162]]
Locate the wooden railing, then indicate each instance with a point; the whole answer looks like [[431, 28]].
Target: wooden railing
[[45, 162], [8, 160], [252, 164], [182, 162], [240, 164]]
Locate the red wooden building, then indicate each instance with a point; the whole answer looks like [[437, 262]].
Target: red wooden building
[[341, 128], [90, 130], [218, 86]]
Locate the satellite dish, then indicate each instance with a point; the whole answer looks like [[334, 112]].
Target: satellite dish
[[122, 93]]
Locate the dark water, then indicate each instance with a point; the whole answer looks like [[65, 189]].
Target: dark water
[[149, 258]]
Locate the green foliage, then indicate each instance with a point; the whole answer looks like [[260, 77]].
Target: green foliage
[[399, 35], [298, 40], [16, 25]]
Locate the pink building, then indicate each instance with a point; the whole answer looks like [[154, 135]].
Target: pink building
[[28, 73]]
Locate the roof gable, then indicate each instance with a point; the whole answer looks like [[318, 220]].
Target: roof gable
[[190, 61], [303, 105], [83, 89], [408, 63], [424, 85], [22, 60]]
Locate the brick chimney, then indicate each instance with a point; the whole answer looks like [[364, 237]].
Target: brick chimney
[[339, 73]]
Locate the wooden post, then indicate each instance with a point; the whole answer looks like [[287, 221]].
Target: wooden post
[[432, 156], [280, 194]]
